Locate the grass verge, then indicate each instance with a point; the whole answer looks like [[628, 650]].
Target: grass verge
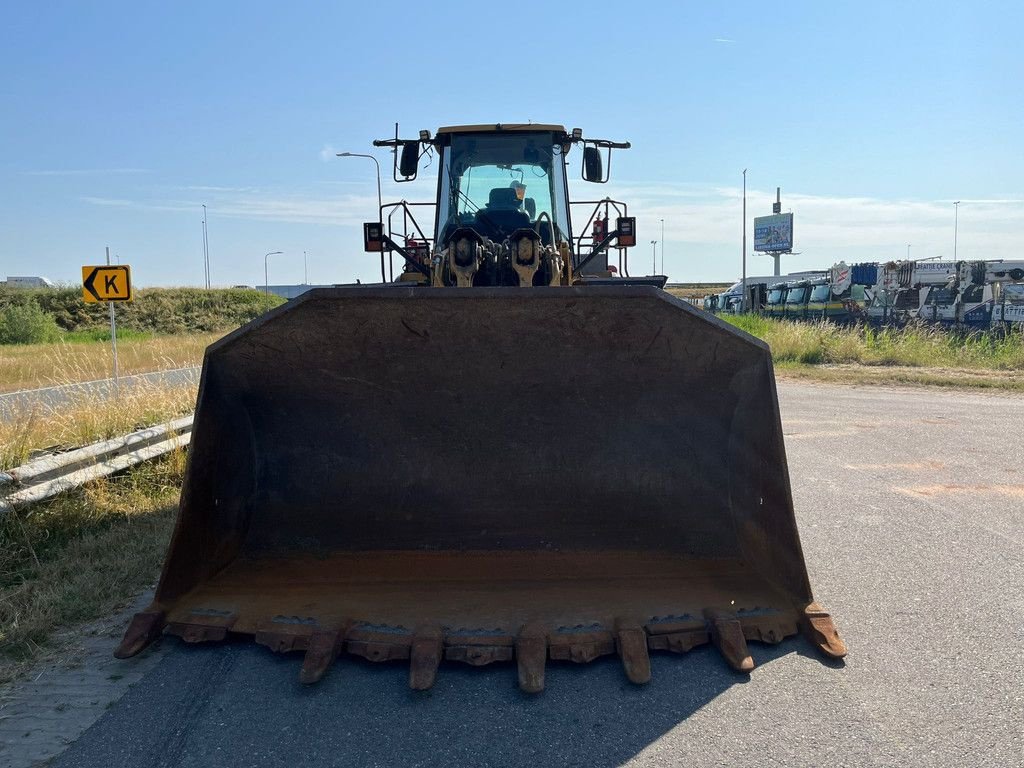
[[85, 419], [1005, 381], [79, 556], [87, 356], [923, 355]]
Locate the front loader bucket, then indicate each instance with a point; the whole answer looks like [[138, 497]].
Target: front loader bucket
[[483, 475]]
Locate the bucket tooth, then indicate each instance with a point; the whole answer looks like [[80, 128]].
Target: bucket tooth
[[631, 642], [145, 627], [425, 657], [531, 655], [727, 635], [820, 629], [321, 651]]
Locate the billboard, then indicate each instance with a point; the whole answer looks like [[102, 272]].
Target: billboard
[[773, 233]]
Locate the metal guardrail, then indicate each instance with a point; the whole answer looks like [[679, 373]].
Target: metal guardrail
[[48, 476]]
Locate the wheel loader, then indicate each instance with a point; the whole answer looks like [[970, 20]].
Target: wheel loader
[[509, 451]]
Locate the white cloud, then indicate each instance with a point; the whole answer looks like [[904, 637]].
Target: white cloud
[[84, 171]]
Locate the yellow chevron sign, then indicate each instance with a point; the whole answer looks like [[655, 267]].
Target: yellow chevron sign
[[107, 283]]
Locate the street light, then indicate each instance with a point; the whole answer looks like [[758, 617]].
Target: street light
[[663, 246], [654, 257], [956, 217], [266, 280], [380, 203], [743, 298], [908, 251], [305, 269]]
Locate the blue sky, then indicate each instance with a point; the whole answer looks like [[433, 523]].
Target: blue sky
[[119, 120]]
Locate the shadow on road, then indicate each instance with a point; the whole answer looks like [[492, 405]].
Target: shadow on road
[[238, 704]]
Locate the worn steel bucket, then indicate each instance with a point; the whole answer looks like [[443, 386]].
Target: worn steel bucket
[[485, 475]]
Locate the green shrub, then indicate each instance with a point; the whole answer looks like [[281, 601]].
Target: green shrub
[[154, 310], [26, 323]]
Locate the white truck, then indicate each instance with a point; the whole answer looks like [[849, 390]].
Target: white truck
[[1002, 284], [903, 288], [730, 301]]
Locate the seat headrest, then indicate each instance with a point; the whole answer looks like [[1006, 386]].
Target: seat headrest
[[502, 197]]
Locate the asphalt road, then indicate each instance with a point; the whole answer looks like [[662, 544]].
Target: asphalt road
[[16, 404], [911, 508]]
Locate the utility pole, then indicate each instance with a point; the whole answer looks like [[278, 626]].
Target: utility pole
[[908, 251], [956, 218], [654, 257], [743, 300], [305, 269]]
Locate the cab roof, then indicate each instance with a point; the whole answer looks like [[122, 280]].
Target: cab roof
[[500, 127]]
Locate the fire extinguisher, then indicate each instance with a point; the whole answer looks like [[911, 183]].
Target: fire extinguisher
[[600, 230]]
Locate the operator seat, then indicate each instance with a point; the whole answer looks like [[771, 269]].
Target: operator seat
[[502, 215]]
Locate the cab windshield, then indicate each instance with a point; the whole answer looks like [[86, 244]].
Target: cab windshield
[[796, 295], [775, 296], [498, 183], [1013, 293], [940, 297], [820, 292]]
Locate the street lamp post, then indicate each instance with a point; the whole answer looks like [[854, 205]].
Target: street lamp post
[[908, 251], [654, 257], [663, 246], [305, 269], [266, 279], [956, 218], [380, 203], [743, 298]]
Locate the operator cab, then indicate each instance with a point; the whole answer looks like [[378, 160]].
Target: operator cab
[[497, 182], [502, 211]]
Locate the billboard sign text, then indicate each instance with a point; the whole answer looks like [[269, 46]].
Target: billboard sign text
[[773, 233]]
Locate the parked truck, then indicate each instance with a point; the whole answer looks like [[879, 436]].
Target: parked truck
[[903, 287]]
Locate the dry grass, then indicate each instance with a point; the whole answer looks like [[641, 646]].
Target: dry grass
[[64, 362], [80, 555], [912, 347], [1008, 381], [85, 419], [696, 290]]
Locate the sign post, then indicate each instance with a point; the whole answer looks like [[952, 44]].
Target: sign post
[[110, 284]]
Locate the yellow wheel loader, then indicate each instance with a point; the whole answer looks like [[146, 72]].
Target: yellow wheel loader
[[449, 467]]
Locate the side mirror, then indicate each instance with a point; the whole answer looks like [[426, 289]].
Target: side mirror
[[409, 163], [592, 167]]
